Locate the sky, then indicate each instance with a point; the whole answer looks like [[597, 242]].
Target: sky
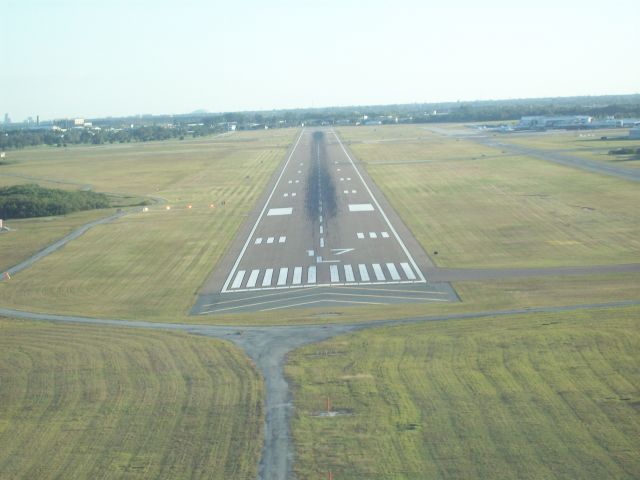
[[68, 58]]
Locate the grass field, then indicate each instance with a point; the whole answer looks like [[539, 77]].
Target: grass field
[[530, 397], [500, 210], [152, 264], [82, 402]]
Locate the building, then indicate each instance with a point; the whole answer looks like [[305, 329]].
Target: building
[[541, 122], [634, 133]]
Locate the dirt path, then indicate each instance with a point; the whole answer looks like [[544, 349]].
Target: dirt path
[[268, 348]]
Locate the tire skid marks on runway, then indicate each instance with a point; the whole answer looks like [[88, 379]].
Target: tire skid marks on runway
[[383, 273]]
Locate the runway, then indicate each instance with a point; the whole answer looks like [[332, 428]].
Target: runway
[[320, 227]]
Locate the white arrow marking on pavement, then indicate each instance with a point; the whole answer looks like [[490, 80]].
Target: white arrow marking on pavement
[[340, 251]]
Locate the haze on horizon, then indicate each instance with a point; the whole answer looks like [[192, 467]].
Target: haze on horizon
[[65, 58]]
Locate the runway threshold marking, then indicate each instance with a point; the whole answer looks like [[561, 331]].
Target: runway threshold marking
[[348, 274], [253, 277], [238, 281], [282, 276], [384, 215], [264, 208], [377, 269], [266, 281], [364, 274], [311, 274], [393, 271], [407, 271]]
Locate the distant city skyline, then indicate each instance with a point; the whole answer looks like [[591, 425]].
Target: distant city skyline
[[67, 58]]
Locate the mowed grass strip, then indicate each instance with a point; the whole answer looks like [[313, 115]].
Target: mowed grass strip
[[501, 210], [151, 265], [529, 397], [87, 402]]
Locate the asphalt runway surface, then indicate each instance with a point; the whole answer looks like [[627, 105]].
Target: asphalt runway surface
[[321, 237]]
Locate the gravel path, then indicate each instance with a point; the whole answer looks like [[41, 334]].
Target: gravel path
[[268, 348]]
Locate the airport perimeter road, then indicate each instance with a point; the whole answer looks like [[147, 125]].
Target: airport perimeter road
[[320, 227]]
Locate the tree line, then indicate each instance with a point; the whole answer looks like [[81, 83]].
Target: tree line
[[27, 201], [15, 139]]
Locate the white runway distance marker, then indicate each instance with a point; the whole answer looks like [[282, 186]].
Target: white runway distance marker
[[282, 239], [360, 207], [258, 241], [274, 212], [360, 235]]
